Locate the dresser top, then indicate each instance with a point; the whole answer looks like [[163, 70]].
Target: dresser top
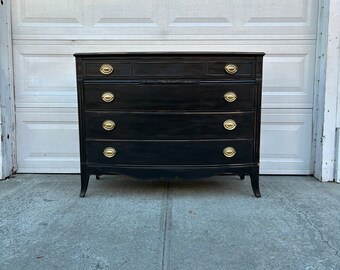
[[102, 54]]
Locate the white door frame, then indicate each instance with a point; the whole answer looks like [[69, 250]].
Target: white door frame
[[325, 107], [326, 90], [7, 113]]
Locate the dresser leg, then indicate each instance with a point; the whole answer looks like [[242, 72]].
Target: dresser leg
[[255, 184], [97, 177], [84, 183], [242, 177]]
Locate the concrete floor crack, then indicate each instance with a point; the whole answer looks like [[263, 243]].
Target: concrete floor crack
[[167, 229], [322, 237], [306, 218]]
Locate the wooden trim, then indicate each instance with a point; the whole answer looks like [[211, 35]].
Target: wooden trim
[[7, 131], [326, 88]]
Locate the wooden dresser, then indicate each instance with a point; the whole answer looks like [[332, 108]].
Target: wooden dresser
[[188, 115]]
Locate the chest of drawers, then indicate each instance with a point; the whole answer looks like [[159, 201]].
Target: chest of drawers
[[188, 115]]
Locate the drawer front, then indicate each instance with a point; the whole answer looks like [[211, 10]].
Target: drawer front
[[167, 126], [170, 152], [177, 97], [229, 68]]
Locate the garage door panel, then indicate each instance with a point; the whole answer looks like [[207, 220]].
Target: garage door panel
[[164, 18], [284, 13], [48, 140], [46, 74], [289, 78], [59, 19], [46, 34], [126, 13], [52, 13], [193, 13], [44, 79], [286, 141]]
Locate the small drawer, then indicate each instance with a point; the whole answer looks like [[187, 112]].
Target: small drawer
[[170, 97], [170, 152], [169, 126], [232, 68], [107, 68]]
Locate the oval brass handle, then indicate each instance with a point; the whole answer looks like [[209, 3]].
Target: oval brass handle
[[229, 124], [109, 152], [231, 68], [109, 125], [230, 96], [106, 69], [229, 152], [108, 97]]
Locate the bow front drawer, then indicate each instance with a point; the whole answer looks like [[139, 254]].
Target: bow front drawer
[[177, 97], [170, 152], [166, 126]]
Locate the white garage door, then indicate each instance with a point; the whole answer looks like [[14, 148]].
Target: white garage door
[[47, 33]]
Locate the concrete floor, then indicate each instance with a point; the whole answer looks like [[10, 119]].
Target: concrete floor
[[214, 223]]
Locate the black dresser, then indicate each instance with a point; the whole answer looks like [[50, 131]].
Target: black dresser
[[187, 115]]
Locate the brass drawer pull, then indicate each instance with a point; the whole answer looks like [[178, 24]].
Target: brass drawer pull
[[229, 124], [231, 68], [109, 152], [108, 97], [229, 152], [109, 125], [230, 96], [106, 69]]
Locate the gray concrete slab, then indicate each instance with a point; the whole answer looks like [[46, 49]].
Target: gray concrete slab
[[218, 225], [123, 223], [46, 225]]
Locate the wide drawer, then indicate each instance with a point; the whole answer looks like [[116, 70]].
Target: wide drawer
[[229, 68], [163, 126], [165, 97], [170, 152]]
